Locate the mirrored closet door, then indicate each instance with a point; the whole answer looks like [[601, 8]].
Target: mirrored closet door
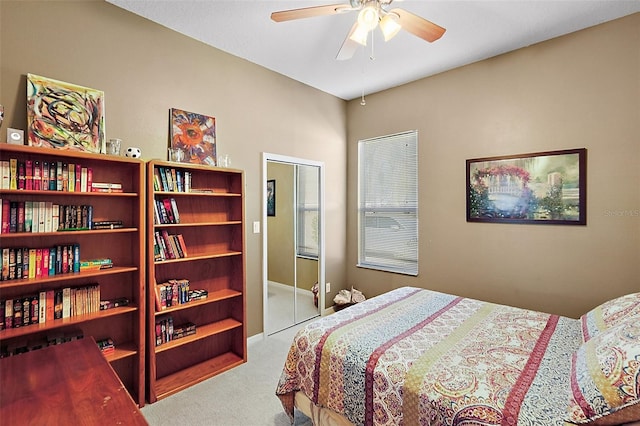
[[293, 256]]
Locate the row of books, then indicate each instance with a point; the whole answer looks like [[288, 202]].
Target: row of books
[[176, 292], [44, 216], [171, 180], [166, 331], [167, 246], [49, 305], [165, 211], [45, 176], [19, 346], [23, 263]]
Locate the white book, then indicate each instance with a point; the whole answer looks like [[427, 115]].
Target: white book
[[42, 307], [48, 216], [83, 180], [55, 217], [28, 216], [35, 220], [5, 174], [42, 214], [66, 302]]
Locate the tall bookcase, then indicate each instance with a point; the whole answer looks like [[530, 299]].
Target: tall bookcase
[[209, 203], [123, 245]]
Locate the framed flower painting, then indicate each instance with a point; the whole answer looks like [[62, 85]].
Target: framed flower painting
[[195, 135], [538, 188]]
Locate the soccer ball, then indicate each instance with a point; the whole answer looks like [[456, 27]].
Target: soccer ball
[[133, 152]]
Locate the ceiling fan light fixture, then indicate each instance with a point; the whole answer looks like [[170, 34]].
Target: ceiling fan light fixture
[[389, 26], [368, 16], [360, 35]]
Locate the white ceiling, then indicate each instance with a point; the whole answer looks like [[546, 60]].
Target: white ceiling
[[305, 49]]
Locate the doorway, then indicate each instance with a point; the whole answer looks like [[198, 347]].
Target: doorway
[[293, 241]]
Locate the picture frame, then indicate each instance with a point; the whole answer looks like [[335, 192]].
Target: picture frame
[[195, 135], [271, 197], [537, 188], [64, 115]]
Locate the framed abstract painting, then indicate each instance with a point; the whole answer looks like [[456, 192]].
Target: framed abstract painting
[[539, 188], [195, 135], [64, 115]]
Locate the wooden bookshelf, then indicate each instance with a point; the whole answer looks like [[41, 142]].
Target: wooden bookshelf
[[211, 222], [124, 246]]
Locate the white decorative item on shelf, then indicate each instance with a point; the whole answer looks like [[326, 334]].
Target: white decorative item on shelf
[[15, 136], [113, 146], [133, 152]]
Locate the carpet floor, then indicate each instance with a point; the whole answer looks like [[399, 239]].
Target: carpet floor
[[243, 396]]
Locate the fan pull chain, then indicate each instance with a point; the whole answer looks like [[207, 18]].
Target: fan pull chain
[[373, 54]]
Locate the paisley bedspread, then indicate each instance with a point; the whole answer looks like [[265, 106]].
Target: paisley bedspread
[[419, 357]]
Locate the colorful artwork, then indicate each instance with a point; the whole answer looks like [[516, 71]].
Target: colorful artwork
[[546, 187], [195, 135], [64, 115]]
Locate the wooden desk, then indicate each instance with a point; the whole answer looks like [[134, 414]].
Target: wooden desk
[[71, 383]]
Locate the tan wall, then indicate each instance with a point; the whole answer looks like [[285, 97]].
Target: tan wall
[[306, 272], [280, 244], [580, 90], [145, 69]]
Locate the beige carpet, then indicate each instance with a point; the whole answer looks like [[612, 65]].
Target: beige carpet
[[243, 396]]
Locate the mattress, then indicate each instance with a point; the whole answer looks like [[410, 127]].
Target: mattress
[[415, 356]]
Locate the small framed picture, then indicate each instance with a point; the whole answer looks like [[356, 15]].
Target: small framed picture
[[271, 197]]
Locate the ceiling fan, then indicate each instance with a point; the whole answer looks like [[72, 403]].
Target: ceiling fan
[[371, 14]]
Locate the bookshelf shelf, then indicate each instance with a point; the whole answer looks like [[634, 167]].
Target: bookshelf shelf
[[202, 332], [124, 246], [58, 234], [210, 221], [66, 277], [213, 297], [64, 322], [196, 373], [62, 194]]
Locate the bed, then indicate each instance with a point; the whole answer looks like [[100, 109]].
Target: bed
[[415, 356]]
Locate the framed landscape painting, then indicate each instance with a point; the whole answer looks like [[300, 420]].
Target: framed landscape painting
[[538, 188], [195, 135], [64, 115]]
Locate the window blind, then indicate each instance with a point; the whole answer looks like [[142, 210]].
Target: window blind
[[388, 203]]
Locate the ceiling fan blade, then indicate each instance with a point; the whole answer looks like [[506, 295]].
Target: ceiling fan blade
[[348, 47], [418, 26], [309, 12]]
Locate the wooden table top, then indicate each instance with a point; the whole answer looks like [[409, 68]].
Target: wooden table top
[[71, 383]]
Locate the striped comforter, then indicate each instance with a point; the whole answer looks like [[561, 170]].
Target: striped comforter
[[414, 356]]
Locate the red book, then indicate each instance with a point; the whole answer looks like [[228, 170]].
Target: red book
[[6, 213], [78, 187], [39, 263], [28, 184], [20, 227], [89, 179], [183, 246], [65, 260], [45, 176], [45, 262], [167, 207], [37, 175], [21, 175], [50, 305], [167, 242]]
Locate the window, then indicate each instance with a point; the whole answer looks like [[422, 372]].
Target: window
[[308, 205], [388, 203]]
